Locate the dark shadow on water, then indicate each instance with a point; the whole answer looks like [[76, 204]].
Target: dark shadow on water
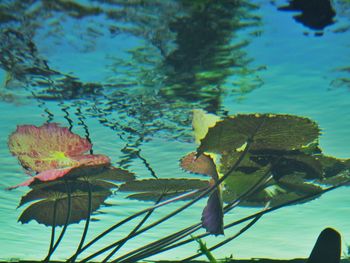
[[314, 14]]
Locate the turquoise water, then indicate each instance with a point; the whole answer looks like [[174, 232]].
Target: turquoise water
[[287, 71]]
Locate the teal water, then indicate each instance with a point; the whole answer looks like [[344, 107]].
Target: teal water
[[287, 71]]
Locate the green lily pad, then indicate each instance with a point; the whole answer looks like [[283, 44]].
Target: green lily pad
[[43, 209], [238, 183], [332, 166], [152, 189], [296, 183], [229, 158], [106, 177], [288, 162], [263, 131]]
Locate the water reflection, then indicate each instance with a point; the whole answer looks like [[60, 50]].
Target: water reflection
[[173, 75]]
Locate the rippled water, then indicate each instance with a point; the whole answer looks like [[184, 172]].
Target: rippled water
[[126, 81]]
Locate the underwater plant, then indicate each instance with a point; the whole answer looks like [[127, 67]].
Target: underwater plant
[[69, 185], [51, 151], [264, 152], [266, 160]]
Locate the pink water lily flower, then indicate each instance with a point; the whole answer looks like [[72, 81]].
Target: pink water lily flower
[[51, 151]]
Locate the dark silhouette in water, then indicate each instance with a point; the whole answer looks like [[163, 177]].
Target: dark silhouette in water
[[315, 14], [327, 248]]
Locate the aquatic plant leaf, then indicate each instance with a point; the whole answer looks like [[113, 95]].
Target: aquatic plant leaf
[[151, 189], [112, 174], [288, 162], [53, 191], [163, 185], [333, 166], [238, 183], [154, 196], [98, 175], [229, 158], [202, 164], [340, 178], [264, 131], [201, 122], [46, 147], [296, 182], [85, 165], [293, 187], [259, 199], [285, 197], [42, 210], [213, 215]]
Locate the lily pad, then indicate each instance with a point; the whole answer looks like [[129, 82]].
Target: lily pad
[[202, 164], [229, 158], [46, 147], [239, 183], [96, 174], [296, 183], [287, 162], [42, 210], [263, 131], [333, 166], [201, 122], [152, 189]]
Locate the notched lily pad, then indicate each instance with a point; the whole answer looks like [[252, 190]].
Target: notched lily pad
[[152, 189], [264, 131]]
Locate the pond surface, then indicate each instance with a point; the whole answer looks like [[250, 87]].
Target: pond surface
[[126, 75]]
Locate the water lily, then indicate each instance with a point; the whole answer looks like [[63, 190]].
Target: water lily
[[51, 152]]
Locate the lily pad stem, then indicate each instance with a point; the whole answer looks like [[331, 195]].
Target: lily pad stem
[[120, 223], [180, 209], [87, 222], [69, 204], [144, 219], [52, 232]]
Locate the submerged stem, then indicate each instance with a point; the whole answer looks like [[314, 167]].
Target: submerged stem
[[227, 240], [260, 213], [52, 240], [217, 183], [149, 213], [88, 216], [157, 246], [175, 212], [69, 204], [150, 251], [120, 223]]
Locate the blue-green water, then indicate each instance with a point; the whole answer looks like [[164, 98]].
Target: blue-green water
[[290, 72]]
